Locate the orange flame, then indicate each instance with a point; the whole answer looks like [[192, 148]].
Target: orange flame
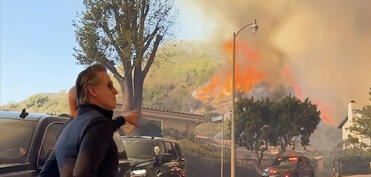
[[326, 112], [247, 75]]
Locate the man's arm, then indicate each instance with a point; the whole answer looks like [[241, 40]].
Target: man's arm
[[130, 117], [93, 147], [117, 122]]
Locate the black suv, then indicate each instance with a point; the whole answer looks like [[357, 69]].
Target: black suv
[[290, 166], [26, 140], [153, 156]]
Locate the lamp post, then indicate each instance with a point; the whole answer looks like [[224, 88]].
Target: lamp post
[[222, 156], [254, 29]]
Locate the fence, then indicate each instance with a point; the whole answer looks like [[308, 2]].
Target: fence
[[351, 166]]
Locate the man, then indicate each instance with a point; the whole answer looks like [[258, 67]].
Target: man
[[85, 146], [50, 168]]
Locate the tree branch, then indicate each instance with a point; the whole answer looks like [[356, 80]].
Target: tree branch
[[153, 53], [105, 28], [110, 66]]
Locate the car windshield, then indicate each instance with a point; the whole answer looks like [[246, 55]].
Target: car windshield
[[285, 161], [138, 148], [15, 138]]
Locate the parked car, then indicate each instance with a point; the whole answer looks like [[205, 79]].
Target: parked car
[[290, 166], [154, 156], [26, 140]]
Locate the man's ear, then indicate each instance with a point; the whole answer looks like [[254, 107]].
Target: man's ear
[[92, 91]]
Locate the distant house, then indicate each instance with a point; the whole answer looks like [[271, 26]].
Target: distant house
[[343, 126], [348, 122], [165, 119]]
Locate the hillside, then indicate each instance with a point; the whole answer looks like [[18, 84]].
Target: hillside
[[180, 68], [169, 85], [50, 103]]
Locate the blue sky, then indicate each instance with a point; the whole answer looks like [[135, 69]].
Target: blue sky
[[36, 44]]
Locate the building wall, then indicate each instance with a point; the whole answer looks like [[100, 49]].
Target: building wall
[[180, 125], [344, 130], [179, 121]]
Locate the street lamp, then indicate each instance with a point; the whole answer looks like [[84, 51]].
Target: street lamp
[[253, 28], [222, 150]]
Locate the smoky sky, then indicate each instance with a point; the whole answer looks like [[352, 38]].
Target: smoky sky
[[326, 44]]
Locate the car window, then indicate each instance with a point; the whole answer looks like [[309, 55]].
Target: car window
[[138, 148], [15, 139], [286, 161], [48, 141], [170, 149]]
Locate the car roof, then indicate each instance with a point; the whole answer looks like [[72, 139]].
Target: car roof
[[30, 116], [148, 138]]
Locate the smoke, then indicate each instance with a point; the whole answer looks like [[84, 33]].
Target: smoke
[[325, 44], [262, 90]]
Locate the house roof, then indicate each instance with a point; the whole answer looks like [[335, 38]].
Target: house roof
[[168, 111], [342, 123]]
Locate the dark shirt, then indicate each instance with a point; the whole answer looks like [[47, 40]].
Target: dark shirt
[[85, 147]]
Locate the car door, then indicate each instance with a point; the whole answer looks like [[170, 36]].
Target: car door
[[16, 137]]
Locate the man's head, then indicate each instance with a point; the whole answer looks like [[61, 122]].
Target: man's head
[[94, 86], [72, 102]]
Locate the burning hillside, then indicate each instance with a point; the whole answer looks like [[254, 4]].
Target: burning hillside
[[251, 81]]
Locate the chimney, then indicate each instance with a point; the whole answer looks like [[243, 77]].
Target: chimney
[[350, 111]]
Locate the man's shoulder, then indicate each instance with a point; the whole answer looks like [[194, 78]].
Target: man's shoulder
[[87, 119], [93, 117]]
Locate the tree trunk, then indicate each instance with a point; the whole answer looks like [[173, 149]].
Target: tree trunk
[[127, 94], [138, 88], [259, 157]]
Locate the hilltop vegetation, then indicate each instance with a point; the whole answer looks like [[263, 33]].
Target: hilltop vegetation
[[50, 103], [179, 69], [182, 68]]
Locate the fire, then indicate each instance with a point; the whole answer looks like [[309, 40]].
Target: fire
[[325, 110], [286, 72], [247, 75]]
